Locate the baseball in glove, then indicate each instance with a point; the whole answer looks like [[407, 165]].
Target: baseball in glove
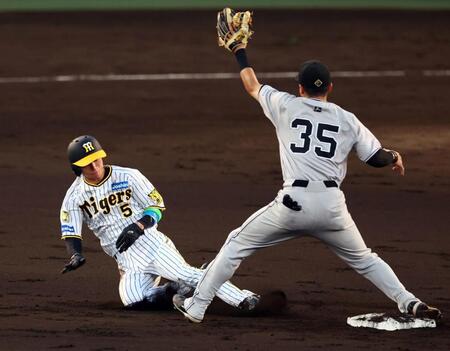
[[233, 29]]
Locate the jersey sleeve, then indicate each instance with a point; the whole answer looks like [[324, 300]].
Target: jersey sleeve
[[366, 144], [273, 102], [71, 218], [145, 193]]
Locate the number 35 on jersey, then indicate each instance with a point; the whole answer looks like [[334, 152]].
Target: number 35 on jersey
[[321, 139]]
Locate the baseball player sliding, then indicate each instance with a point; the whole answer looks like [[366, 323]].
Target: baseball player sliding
[[315, 138], [123, 210]]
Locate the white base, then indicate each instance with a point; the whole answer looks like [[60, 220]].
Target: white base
[[382, 321]]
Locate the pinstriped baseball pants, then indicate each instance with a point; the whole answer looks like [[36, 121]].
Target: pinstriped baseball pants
[[154, 255], [324, 215]]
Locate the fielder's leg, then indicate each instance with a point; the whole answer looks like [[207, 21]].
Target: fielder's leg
[[171, 265], [350, 247], [258, 231]]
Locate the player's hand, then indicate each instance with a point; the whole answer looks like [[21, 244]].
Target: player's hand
[[128, 237], [398, 165], [233, 29], [76, 261]]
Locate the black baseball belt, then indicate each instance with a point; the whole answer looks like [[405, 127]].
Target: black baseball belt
[[304, 183]]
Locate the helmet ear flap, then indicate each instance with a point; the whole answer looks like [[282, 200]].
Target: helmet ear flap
[[76, 170]]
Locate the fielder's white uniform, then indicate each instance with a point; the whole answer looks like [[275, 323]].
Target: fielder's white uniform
[[118, 201], [315, 139]]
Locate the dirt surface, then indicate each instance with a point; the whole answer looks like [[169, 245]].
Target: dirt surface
[[213, 156]]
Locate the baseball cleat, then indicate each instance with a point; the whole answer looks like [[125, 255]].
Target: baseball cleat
[[178, 303], [422, 310], [249, 303]]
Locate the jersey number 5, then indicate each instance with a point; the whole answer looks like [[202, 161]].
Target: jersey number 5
[[305, 136], [126, 210]]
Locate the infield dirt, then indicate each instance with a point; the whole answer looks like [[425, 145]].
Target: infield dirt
[[213, 156]]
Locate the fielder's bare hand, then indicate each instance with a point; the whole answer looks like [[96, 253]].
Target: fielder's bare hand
[[76, 261]]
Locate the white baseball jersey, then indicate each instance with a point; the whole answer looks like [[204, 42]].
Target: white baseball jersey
[[315, 137], [108, 207]]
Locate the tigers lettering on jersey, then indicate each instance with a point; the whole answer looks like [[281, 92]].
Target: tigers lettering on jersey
[[108, 207], [93, 207]]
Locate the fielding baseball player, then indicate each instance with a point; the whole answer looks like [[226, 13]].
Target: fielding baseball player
[[123, 209], [315, 138]]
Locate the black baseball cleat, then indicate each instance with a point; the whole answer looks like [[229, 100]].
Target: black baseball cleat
[[269, 303], [422, 310], [178, 303], [249, 303]]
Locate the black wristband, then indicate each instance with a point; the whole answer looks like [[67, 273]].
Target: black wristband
[[241, 58], [73, 246], [147, 221], [381, 158]]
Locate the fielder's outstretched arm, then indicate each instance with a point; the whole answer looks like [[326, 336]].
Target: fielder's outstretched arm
[[384, 157], [248, 76]]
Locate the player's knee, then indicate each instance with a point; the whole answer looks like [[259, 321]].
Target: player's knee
[[139, 305], [159, 298], [128, 301], [144, 302], [129, 298], [364, 262], [153, 304], [228, 260]]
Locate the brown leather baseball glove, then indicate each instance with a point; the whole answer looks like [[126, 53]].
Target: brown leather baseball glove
[[233, 29]]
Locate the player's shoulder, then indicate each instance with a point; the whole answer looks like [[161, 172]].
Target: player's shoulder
[[75, 189], [266, 90], [125, 172], [339, 109], [330, 109], [342, 113], [347, 119]]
